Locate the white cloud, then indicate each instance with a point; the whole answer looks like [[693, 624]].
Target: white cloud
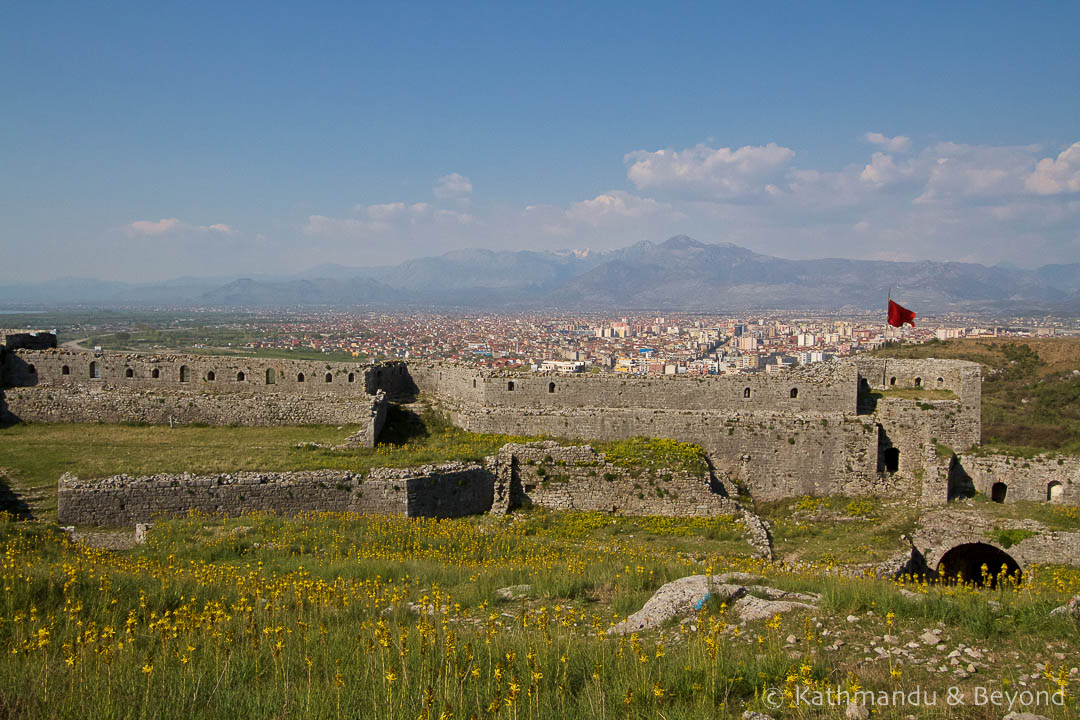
[[900, 143], [965, 172], [709, 173], [944, 201], [883, 170], [615, 205], [453, 216], [1057, 176], [150, 227], [452, 187], [385, 211]]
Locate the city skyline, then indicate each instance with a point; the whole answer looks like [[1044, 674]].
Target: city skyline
[[167, 141]]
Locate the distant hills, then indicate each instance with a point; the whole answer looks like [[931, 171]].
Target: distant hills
[[678, 274]]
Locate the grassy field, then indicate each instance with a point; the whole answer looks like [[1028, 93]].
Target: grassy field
[[332, 616], [1030, 390], [35, 455], [838, 530]]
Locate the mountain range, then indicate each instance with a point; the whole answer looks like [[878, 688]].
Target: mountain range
[[678, 274]]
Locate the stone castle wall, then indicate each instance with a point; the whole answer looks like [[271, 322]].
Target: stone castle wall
[[71, 386], [821, 441], [448, 490], [963, 379], [824, 387], [579, 478], [772, 455], [186, 373], [87, 405], [1043, 478]]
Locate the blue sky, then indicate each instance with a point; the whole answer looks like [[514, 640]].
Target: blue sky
[[151, 140]]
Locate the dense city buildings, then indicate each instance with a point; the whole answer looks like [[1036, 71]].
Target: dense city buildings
[[632, 344]]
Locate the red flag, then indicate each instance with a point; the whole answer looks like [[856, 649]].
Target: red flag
[[898, 315]]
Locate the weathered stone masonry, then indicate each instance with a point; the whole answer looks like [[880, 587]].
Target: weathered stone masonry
[[70, 386], [806, 431], [448, 490], [815, 430]]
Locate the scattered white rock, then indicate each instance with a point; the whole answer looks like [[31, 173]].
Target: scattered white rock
[[751, 715], [856, 712], [1070, 608], [686, 595], [513, 592]]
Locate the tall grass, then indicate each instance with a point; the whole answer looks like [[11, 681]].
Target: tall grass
[[328, 616]]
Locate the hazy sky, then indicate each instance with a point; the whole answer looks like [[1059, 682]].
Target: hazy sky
[[148, 140]]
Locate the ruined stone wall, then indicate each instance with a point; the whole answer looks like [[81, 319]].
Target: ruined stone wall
[[579, 478], [456, 383], [186, 373], [392, 377], [772, 455], [1039, 479], [70, 386], [948, 528], [911, 426], [77, 404], [446, 490], [960, 377], [824, 387]]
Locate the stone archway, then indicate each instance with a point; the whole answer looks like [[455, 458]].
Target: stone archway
[[1055, 492], [965, 563]]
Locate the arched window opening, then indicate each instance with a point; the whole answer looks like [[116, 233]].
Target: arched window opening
[[890, 457], [329, 377], [794, 393], [65, 370], [155, 373], [940, 381], [918, 382], [352, 377], [32, 370], [551, 387], [746, 393], [211, 376], [510, 385], [185, 374], [95, 371], [892, 381], [129, 373], [998, 491], [299, 377], [271, 377], [978, 563], [474, 382], [1055, 492], [240, 376]]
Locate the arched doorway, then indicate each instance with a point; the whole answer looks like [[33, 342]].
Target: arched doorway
[[979, 563], [1055, 492], [998, 491]]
